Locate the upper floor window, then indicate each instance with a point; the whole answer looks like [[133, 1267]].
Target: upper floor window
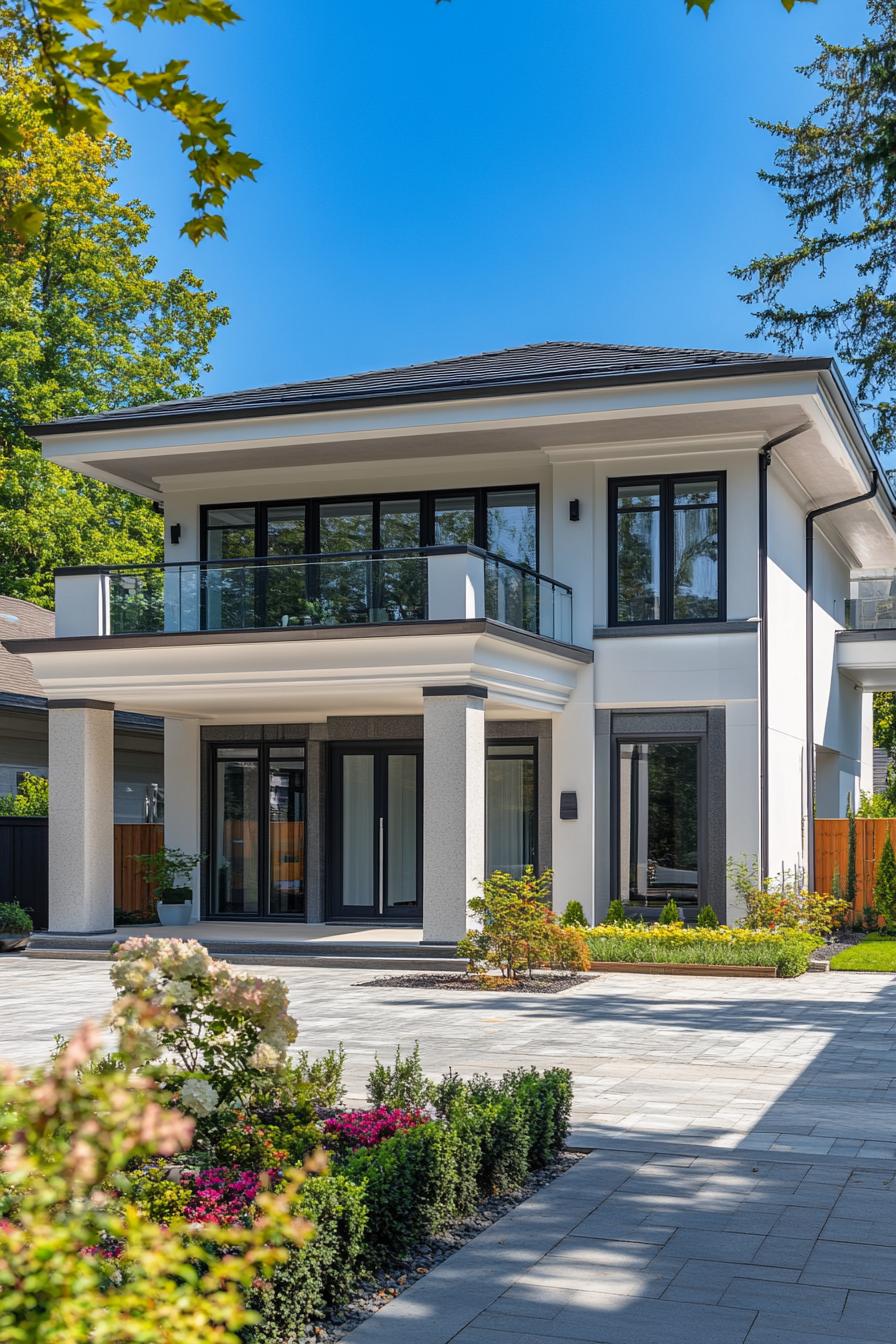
[[667, 549], [501, 520]]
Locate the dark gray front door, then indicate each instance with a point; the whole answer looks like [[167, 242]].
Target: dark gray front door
[[375, 834]]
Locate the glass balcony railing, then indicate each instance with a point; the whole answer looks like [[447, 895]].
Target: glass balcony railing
[[368, 588], [872, 602]]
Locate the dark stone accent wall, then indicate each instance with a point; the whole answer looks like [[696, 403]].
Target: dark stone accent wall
[[706, 724]]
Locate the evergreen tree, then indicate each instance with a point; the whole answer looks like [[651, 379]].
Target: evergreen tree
[[851, 875], [85, 325], [836, 173], [885, 884]]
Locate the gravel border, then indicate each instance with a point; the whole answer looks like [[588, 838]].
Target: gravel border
[[372, 1294], [546, 983], [835, 945]]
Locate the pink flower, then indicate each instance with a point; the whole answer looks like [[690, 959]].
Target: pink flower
[[365, 1129]]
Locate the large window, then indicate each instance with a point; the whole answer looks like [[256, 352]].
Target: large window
[[503, 520], [257, 865], [667, 550], [510, 807], [658, 808]]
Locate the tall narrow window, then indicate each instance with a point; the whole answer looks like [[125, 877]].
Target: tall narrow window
[[455, 520], [658, 809], [667, 550], [510, 525], [286, 831], [286, 584], [510, 807], [234, 866], [229, 590]]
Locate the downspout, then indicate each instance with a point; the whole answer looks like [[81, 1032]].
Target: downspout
[[765, 460], [810, 666]]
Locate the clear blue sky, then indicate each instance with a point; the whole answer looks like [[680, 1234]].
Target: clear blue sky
[[461, 177]]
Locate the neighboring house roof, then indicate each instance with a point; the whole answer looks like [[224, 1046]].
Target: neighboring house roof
[[548, 365], [21, 620]]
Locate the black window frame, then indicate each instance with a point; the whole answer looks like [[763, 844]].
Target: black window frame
[[518, 742], [263, 748], [667, 510], [427, 500], [649, 739]]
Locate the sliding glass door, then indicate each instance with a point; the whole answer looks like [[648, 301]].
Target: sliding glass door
[[257, 850], [375, 833]]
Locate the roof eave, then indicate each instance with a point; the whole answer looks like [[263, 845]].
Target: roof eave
[[431, 392]]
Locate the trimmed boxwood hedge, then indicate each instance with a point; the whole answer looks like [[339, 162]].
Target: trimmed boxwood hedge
[[377, 1203]]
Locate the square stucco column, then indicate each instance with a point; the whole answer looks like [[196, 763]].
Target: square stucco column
[[81, 834], [573, 771], [453, 807], [182, 793]]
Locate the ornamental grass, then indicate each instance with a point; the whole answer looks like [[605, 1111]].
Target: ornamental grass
[[788, 951]]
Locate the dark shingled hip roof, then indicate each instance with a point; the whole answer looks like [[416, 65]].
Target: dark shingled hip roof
[[548, 366]]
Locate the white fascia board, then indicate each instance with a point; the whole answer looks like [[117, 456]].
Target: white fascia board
[[197, 676], [537, 408], [628, 450]]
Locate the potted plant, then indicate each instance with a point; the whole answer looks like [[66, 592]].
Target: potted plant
[[15, 926], [164, 873]]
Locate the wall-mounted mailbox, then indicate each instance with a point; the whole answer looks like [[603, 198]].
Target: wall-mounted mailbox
[[569, 807]]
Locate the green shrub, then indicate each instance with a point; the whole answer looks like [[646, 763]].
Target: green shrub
[[707, 918], [670, 913], [31, 799], [409, 1186], [257, 1138], [546, 1099], [14, 919], [793, 957], [573, 916], [402, 1086], [319, 1081], [321, 1273], [885, 883], [615, 913], [516, 919]]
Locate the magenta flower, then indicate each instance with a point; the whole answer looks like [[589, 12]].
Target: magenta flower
[[365, 1129]]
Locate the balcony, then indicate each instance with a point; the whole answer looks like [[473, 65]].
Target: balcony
[[445, 583], [871, 604]]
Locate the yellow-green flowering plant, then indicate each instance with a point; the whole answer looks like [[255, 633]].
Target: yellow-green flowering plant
[[79, 1262]]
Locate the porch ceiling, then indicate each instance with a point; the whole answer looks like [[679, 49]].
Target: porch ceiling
[[868, 658], [300, 676]]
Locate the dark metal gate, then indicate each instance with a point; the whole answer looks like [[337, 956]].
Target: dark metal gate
[[24, 865]]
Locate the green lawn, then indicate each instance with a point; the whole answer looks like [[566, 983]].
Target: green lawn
[[874, 953]]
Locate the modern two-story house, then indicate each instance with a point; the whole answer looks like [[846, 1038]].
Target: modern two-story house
[[574, 605]]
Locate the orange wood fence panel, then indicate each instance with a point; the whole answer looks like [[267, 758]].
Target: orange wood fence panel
[[131, 892], [832, 852]]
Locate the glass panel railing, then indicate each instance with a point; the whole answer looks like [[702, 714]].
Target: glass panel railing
[[872, 603], [354, 589], [526, 600]]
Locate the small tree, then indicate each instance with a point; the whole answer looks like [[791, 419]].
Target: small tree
[[166, 869], [32, 798], [573, 916], [885, 884], [670, 913], [851, 879]]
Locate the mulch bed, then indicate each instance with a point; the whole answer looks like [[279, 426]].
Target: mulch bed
[[376, 1293], [539, 984]]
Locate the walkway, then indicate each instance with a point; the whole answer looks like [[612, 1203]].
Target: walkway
[[741, 1186]]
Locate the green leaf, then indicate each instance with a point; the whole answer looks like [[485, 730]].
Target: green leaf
[[26, 218]]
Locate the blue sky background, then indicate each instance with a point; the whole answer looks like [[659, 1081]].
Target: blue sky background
[[445, 179]]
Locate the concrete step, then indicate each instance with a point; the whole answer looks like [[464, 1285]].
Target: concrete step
[[248, 956], [280, 951]]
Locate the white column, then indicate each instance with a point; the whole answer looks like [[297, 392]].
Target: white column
[[453, 807], [182, 774], [572, 769], [866, 759], [81, 834]]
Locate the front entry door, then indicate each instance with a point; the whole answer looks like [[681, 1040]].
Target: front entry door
[[376, 825]]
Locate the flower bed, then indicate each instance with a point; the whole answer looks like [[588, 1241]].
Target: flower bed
[[199, 1135], [788, 952]]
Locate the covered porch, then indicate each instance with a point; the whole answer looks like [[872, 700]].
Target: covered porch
[[346, 788]]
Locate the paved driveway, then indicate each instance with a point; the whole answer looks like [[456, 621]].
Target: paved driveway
[[741, 1184]]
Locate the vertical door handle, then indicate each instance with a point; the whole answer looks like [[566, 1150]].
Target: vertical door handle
[[381, 863]]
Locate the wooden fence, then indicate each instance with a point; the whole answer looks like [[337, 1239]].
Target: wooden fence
[[831, 853], [131, 892]]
